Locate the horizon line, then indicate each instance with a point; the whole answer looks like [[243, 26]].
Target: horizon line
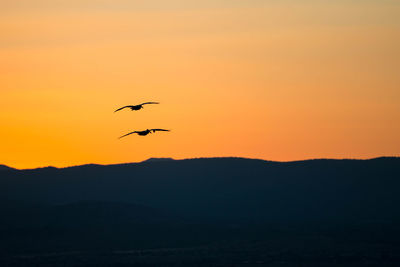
[[196, 158]]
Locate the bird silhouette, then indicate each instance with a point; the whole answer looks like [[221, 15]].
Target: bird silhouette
[[145, 132], [137, 107]]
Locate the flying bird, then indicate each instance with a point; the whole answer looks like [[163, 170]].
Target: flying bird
[[137, 107], [145, 132]]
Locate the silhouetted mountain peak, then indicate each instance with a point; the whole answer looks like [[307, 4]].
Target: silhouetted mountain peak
[[158, 159], [4, 167]]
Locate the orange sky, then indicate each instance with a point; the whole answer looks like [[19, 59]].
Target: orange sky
[[277, 80]]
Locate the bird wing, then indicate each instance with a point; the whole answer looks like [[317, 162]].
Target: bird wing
[[155, 130], [123, 108], [128, 134], [150, 103]]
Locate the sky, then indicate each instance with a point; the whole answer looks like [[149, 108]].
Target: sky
[[276, 80]]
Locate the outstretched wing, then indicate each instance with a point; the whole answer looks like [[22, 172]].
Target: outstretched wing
[[150, 103], [155, 130], [123, 108], [128, 134]]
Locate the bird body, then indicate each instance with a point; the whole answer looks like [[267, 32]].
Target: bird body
[[145, 132], [136, 107]]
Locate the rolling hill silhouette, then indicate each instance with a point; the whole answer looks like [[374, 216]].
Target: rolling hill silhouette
[[177, 203], [5, 168], [224, 188]]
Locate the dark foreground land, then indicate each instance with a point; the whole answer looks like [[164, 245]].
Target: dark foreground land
[[203, 212]]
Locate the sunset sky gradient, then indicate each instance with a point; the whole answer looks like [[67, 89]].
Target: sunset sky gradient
[[276, 80]]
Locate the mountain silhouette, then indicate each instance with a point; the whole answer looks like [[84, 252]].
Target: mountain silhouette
[[161, 203], [4, 167], [224, 188]]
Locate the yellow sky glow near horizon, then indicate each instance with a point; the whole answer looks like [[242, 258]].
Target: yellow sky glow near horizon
[[278, 81]]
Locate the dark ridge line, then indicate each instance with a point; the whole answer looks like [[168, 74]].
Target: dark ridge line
[[169, 160], [5, 168]]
